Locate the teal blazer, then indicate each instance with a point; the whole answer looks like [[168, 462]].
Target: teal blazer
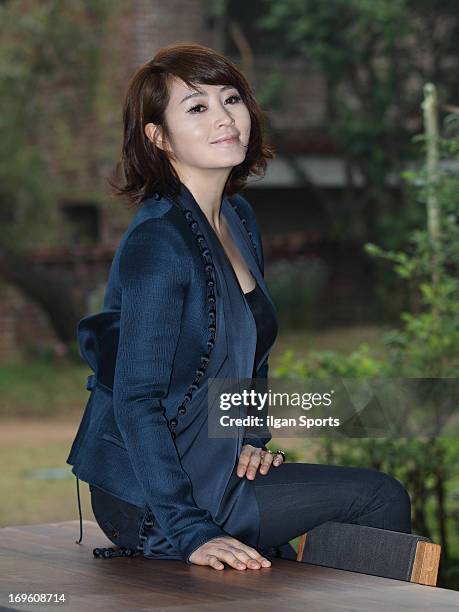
[[173, 316]]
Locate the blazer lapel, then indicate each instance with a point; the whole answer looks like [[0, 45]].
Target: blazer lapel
[[242, 240]]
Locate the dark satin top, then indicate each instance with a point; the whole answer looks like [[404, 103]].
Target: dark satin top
[[265, 321]]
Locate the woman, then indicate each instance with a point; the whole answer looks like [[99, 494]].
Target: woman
[[186, 302]]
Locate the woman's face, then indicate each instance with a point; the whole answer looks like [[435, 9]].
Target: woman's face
[[197, 120]]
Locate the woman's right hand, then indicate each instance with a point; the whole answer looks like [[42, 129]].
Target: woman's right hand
[[231, 551]]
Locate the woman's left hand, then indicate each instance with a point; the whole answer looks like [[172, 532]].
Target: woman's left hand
[[252, 457]]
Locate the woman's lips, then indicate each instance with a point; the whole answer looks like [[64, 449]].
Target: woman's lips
[[227, 142]]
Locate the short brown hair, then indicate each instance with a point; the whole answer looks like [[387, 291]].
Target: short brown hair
[[146, 167]]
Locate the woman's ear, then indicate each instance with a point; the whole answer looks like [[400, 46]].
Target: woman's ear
[[155, 134]]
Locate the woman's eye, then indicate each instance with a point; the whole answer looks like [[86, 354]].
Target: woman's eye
[[193, 110], [236, 96]]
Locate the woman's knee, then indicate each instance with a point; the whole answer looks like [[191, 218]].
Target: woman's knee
[[393, 490]]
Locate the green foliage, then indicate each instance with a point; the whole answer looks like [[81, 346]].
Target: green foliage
[[343, 39], [51, 84], [367, 52], [428, 343], [425, 345], [329, 364]]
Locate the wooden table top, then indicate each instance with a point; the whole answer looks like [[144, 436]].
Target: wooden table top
[[46, 559]]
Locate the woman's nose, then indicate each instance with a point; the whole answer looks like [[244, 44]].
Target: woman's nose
[[225, 119]]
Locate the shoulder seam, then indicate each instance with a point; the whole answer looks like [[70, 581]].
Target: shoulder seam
[[154, 219], [136, 230]]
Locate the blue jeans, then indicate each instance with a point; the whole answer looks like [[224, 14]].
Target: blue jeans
[[292, 498], [295, 497]]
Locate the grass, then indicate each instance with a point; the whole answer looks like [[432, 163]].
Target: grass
[[342, 339], [42, 388], [27, 499]]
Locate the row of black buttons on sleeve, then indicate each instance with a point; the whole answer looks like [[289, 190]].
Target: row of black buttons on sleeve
[[212, 313]]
